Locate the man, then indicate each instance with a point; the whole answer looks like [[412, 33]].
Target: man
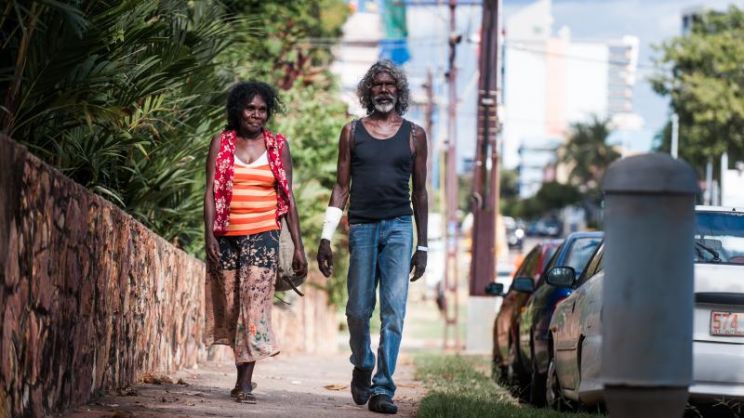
[[377, 157]]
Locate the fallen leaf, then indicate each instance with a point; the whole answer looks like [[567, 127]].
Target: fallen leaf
[[335, 386], [181, 382], [148, 378], [127, 391]]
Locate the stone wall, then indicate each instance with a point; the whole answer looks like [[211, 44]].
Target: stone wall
[[92, 300]]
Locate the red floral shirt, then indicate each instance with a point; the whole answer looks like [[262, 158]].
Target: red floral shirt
[[224, 171]]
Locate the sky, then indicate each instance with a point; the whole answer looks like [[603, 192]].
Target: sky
[[652, 21]]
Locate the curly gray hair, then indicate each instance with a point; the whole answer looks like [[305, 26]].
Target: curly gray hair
[[364, 87]]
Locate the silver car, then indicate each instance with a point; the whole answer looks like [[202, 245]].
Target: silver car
[[718, 335]]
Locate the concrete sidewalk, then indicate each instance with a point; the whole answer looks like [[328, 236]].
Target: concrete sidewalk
[[291, 385]]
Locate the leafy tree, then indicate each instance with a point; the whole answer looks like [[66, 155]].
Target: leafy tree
[[298, 36], [553, 195], [509, 184], [124, 96], [587, 153], [317, 117], [702, 75], [121, 96]]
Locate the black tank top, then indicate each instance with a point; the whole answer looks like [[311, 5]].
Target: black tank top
[[380, 175]]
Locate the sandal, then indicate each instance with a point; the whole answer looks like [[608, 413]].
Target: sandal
[[245, 397], [234, 392]]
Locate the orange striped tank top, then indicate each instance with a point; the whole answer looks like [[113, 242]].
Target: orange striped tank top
[[253, 206]]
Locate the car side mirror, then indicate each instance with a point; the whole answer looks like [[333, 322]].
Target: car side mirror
[[561, 276], [523, 285], [495, 289]]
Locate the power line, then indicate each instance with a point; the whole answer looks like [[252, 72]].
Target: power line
[[428, 41], [519, 47]]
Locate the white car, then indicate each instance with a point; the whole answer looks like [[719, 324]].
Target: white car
[[718, 334]]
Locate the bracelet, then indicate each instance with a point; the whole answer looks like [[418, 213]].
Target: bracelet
[[422, 248]]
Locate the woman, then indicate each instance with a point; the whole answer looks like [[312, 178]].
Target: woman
[[249, 189]]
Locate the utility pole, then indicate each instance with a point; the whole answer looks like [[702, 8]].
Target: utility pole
[[428, 126], [451, 230], [485, 186]]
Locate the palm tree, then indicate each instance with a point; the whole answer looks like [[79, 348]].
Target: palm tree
[[122, 96], [587, 153]]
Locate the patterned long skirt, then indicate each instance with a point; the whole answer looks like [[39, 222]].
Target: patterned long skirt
[[241, 293]]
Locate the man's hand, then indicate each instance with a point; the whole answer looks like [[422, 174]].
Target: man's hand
[[299, 263], [213, 249], [325, 257], [418, 262]]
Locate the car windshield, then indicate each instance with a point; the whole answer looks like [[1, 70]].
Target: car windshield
[[581, 251], [719, 237]]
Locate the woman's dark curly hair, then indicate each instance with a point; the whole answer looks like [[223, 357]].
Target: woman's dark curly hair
[[364, 88], [242, 93]]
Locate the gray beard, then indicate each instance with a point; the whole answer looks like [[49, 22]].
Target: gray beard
[[384, 108]]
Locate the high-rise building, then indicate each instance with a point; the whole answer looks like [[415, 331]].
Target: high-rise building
[[690, 16], [358, 50], [552, 81]]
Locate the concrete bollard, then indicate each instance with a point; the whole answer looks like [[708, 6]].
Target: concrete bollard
[[648, 288]]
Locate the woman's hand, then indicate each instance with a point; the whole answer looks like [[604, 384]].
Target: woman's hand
[[299, 263], [213, 249]]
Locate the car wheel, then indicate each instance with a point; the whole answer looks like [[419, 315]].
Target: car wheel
[[499, 372], [537, 385], [553, 395], [517, 376]]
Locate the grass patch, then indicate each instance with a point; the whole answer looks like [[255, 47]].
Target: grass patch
[[462, 387]]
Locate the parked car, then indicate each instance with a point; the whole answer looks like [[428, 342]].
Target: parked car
[[552, 228], [718, 327], [505, 335], [534, 320], [514, 233]]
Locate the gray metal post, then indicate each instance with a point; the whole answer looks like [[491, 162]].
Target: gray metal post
[[708, 196], [724, 186], [648, 288], [675, 134]]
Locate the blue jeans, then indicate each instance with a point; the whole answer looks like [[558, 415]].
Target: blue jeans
[[380, 254]]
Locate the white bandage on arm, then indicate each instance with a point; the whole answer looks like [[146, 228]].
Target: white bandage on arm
[[330, 223]]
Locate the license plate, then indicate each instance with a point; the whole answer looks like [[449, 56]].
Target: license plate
[[727, 324]]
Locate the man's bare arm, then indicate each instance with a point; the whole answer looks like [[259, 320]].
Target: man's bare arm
[[339, 197], [420, 200], [340, 193]]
